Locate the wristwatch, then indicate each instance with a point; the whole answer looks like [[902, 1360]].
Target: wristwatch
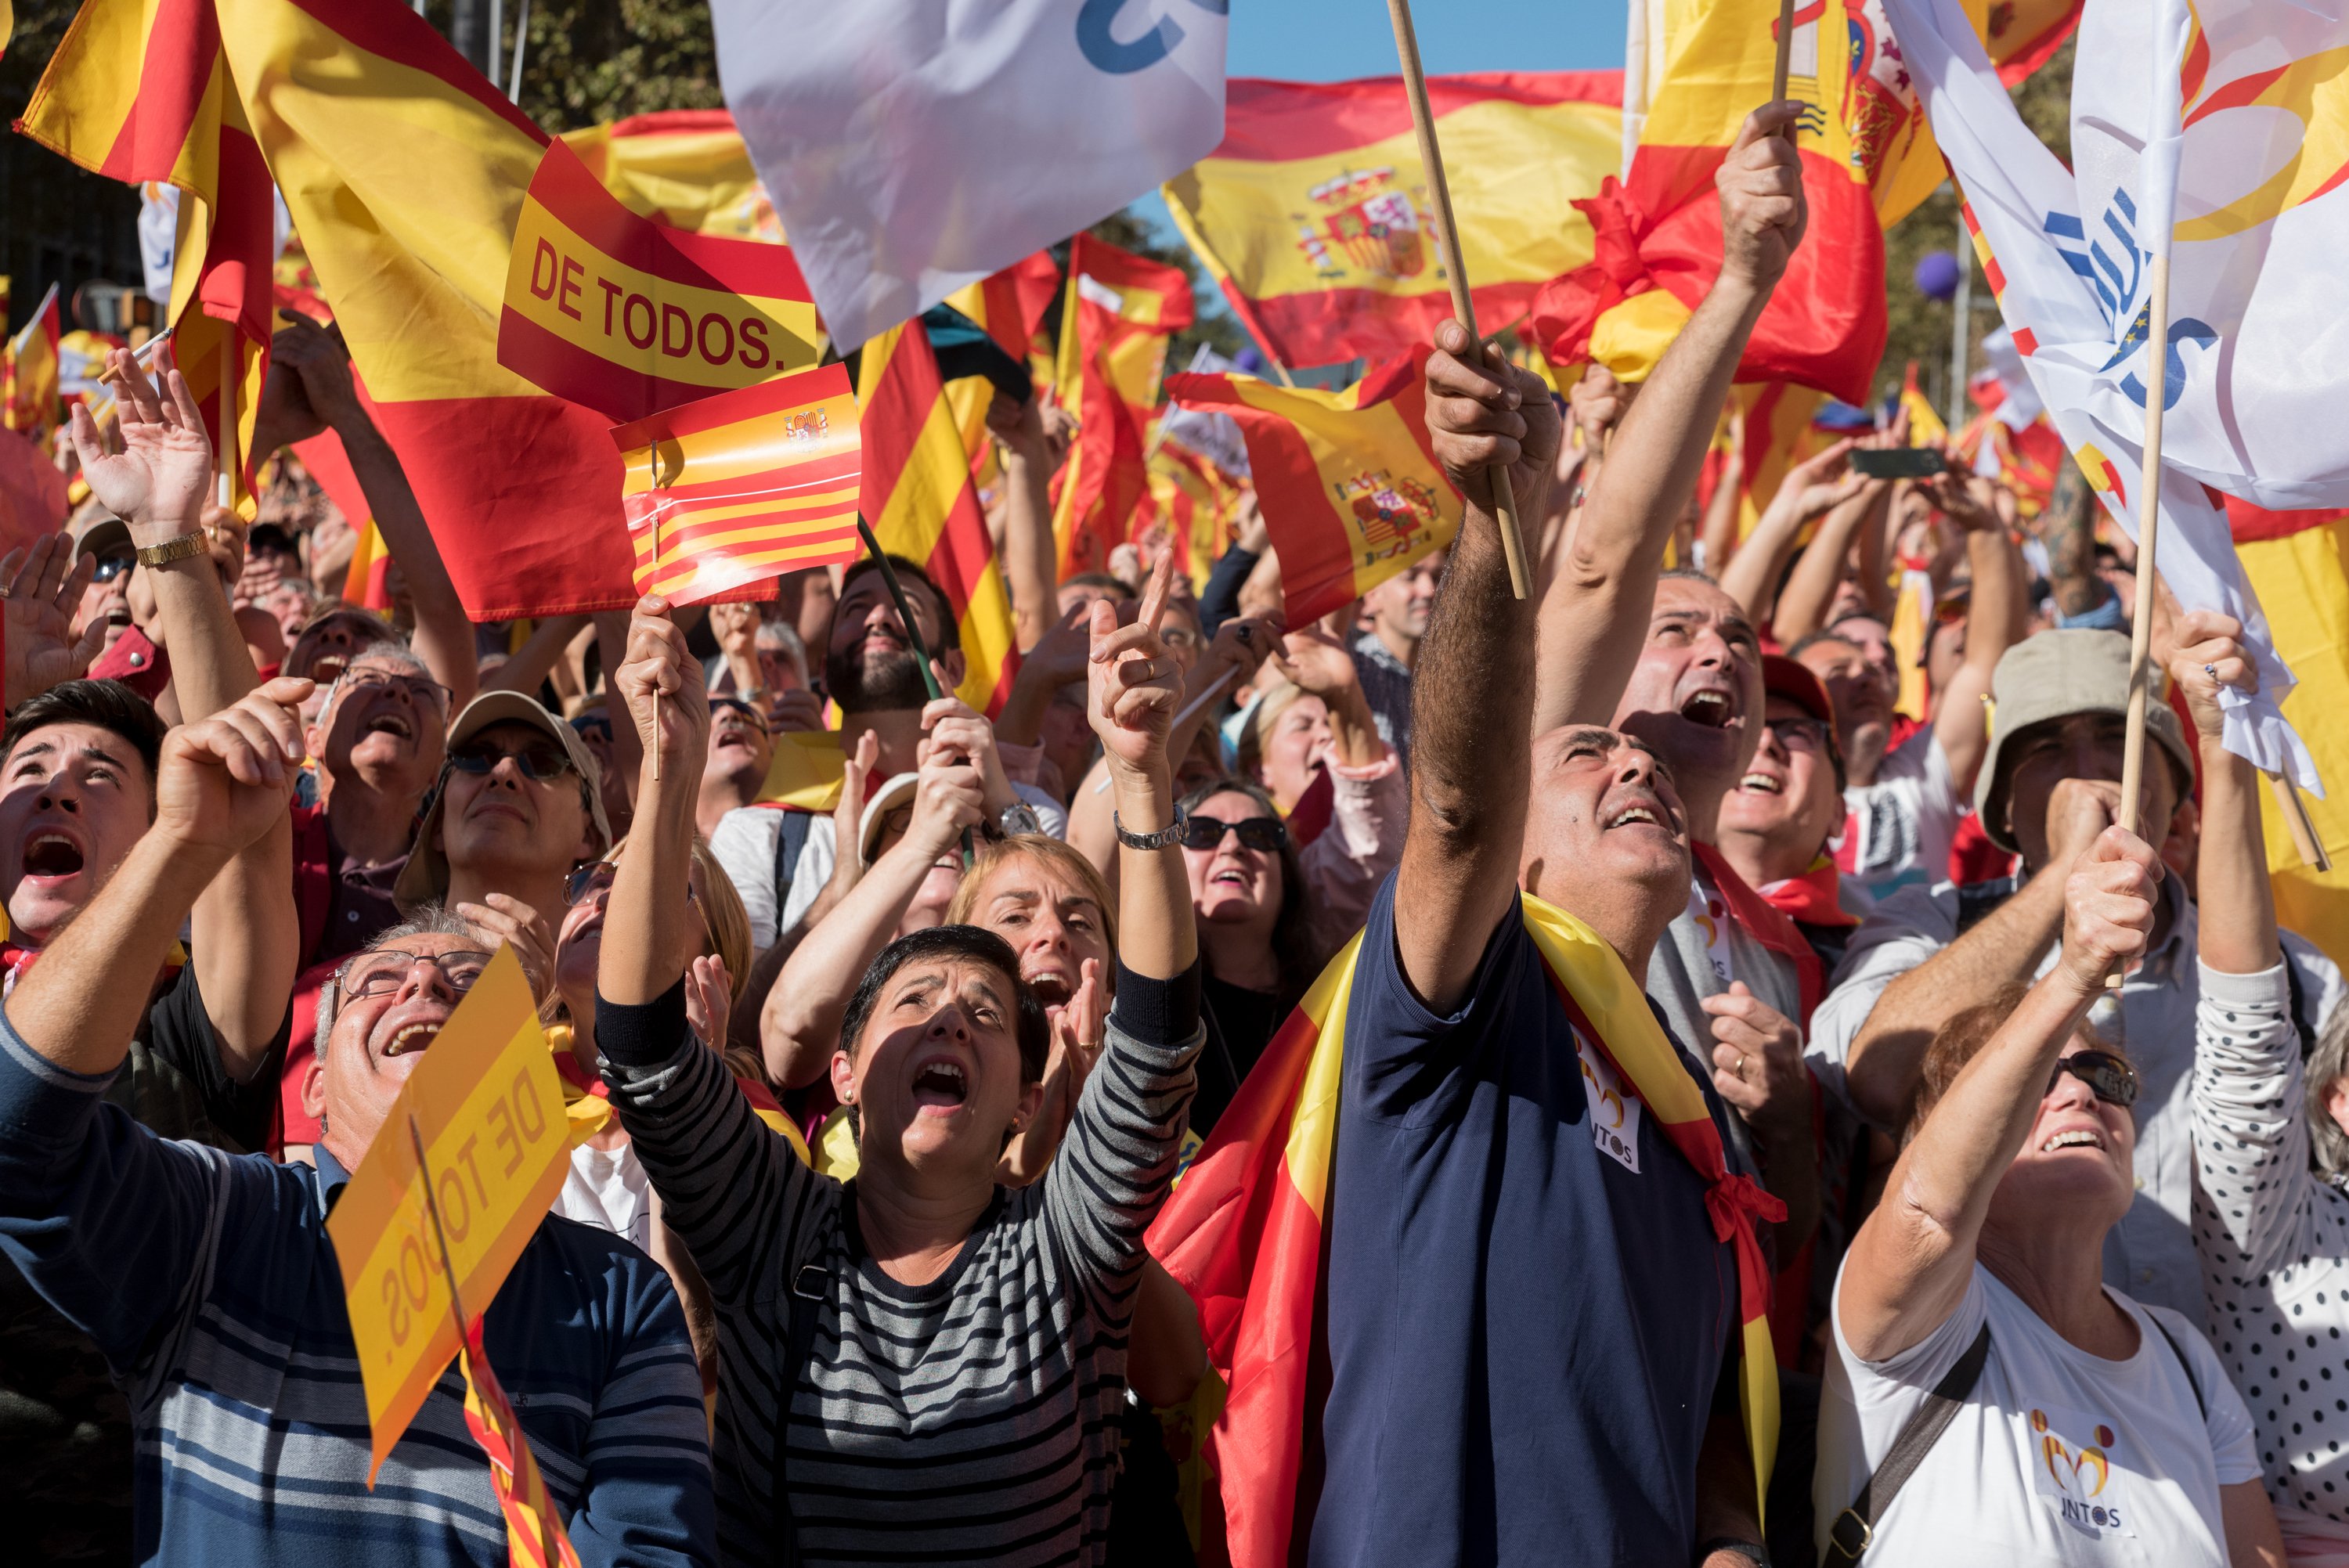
[[1020, 818], [1759, 1553], [173, 550], [1170, 834]]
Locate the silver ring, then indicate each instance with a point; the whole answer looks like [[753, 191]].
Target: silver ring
[[2210, 670]]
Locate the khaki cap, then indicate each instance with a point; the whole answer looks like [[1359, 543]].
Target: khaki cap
[[2052, 676], [425, 879]]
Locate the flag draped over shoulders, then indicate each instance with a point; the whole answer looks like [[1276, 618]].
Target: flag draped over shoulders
[[1243, 1233]]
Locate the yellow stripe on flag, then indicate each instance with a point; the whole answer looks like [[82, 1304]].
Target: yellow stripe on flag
[[2303, 583], [1312, 1133]]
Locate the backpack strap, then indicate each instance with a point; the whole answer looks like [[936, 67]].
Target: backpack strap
[[1854, 1530], [808, 1288], [788, 842], [2179, 1351]]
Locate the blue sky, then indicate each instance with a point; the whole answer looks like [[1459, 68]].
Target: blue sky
[[1333, 40]]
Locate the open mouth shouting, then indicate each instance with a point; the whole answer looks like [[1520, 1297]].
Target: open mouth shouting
[[51, 856], [1713, 707], [411, 1037], [1636, 808], [1757, 781], [2081, 1137], [388, 721], [941, 1086]]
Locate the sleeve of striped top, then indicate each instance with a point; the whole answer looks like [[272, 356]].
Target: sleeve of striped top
[[1117, 1158], [2250, 1132], [725, 1179]]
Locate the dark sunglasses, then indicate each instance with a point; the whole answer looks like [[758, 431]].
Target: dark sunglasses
[[1266, 835], [110, 567], [540, 761], [2114, 1079], [736, 705]]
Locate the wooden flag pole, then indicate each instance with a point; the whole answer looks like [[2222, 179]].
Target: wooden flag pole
[[1786, 54], [228, 418], [1447, 238], [2149, 539], [654, 578]]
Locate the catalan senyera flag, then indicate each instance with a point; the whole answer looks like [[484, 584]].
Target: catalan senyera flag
[[918, 497], [629, 316], [746, 485], [1243, 1233], [487, 1080], [1777, 434], [405, 173], [1658, 240], [534, 1534], [1313, 215], [1121, 309], [1011, 306], [2298, 562], [28, 378], [687, 167], [1349, 481], [140, 91]]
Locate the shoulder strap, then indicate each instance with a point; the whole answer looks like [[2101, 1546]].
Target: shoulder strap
[[789, 843], [2179, 1351], [807, 1299], [1854, 1530]]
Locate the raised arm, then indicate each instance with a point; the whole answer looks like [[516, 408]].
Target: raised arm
[[249, 932], [1802, 606], [1910, 1262], [1811, 488], [1030, 559], [1595, 613], [538, 656], [1473, 688], [2071, 539], [1960, 716], [310, 389]]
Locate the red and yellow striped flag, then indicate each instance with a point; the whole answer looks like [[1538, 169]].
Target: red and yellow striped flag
[[1777, 434], [29, 374], [368, 583], [1195, 502], [1243, 1232], [744, 486], [1011, 306], [687, 167], [1121, 309], [1313, 213], [405, 173], [918, 499], [534, 1534], [140, 91], [1349, 483]]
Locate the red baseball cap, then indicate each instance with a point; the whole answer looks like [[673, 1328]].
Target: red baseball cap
[[1783, 677]]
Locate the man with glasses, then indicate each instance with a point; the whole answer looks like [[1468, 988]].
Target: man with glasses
[[211, 1285], [1776, 827]]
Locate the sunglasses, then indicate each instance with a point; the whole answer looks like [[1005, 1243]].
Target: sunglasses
[[110, 567], [2114, 1080], [382, 971], [541, 761], [736, 705], [1266, 835]]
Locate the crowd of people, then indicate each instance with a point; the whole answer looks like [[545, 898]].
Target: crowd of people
[[874, 1106]]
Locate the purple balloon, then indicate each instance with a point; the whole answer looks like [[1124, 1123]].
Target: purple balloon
[[1937, 274], [1249, 360]]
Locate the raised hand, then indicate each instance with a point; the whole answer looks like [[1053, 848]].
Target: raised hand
[[157, 482], [1483, 412], [1319, 663], [309, 386], [736, 627], [1598, 402], [1762, 212], [709, 1000], [40, 591], [2108, 908], [223, 781], [509, 920], [848, 815], [1819, 484], [660, 680], [952, 728], [948, 798], [2210, 657], [1133, 685]]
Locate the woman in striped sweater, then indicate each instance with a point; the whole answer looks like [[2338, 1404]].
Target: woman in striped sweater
[[921, 1364]]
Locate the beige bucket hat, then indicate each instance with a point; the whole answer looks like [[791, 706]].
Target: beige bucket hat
[[425, 879], [2052, 676]]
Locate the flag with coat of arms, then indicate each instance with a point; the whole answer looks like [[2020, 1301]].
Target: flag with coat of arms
[[2217, 134]]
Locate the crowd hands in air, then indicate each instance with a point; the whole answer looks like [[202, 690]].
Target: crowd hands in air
[[854, 1259]]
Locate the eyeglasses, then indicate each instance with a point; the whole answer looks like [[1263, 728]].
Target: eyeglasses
[[110, 567], [382, 971], [736, 705], [2114, 1079], [1266, 835], [541, 761], [1806, 735], [416, 688]]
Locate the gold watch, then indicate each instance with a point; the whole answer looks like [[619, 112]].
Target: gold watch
[[173, 550]]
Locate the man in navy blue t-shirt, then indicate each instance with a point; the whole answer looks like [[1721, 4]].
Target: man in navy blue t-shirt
[[1529, 1316]]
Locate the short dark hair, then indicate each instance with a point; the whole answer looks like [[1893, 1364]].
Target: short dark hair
[[1029, 1026], [1117, 587], [109, 706], [949, 633], [1812, 640]]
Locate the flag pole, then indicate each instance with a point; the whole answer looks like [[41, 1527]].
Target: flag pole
[[1785, 56], [912, 637], [654, 578], [229, 367], [1447, 239], [2149, 539]]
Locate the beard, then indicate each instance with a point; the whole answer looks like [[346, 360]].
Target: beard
[[876, 684]]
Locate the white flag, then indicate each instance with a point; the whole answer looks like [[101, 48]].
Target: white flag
[[2222, 112], [913, 146]]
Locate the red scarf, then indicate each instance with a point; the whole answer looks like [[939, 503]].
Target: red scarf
[[1811, 898], [1768, 925]]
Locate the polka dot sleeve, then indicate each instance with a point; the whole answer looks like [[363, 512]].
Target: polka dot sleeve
[[2251, 1140]]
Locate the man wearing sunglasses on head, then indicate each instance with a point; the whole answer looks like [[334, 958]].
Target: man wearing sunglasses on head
[[741, 745], [211, 1285]]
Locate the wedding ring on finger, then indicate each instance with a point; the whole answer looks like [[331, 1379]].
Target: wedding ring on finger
[[2210, 670]]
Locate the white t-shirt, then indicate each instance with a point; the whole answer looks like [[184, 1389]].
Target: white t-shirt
[[608, 1189], [1900, 829], [2057, 1456]]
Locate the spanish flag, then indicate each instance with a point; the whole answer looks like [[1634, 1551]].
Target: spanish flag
[[2298, 563], [534, 1534], [1195, 502], [1314, 215], [1925, 423], [1776, 434], [406, 172], [686, 167], [1658, 241], [28, 376], [1243, 1232], [744, 486], [917, 496], [1349, 479], [141, 91], [1120, 310]]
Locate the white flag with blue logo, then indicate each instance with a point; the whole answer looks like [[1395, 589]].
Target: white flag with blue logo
[[2234, 116], [912, 147]]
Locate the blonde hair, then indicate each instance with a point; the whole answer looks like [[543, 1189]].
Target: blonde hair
[[1254, 735], [1056, 856]]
